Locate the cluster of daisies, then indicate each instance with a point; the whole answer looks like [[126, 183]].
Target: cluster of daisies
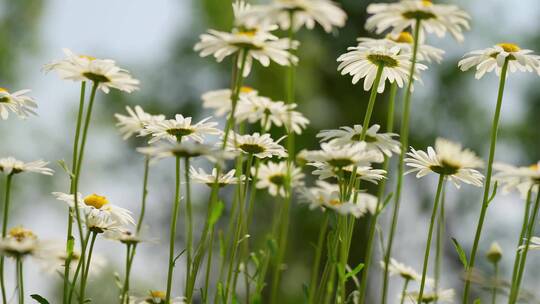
[[248, 145]]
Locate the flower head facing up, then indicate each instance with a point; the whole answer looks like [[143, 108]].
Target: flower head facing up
[[364, 62], [255, 42], [200, 176], [273, 176], [517, 178], [404, 41], [10, 165], [181, 129], [260, 146], [304, 13], [17, 102], [136, 121], [433, 18], [448, 159], [103, 72], [494, 58]]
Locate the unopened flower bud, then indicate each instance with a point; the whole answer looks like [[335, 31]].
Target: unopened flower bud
[[494, 253]]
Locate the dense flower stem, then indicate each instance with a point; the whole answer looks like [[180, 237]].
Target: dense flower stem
[[20, 279], [4, 232], [317, 260], [487, 185], [495, 283], [530, 231], [282, 244], [79, 268], [439, 242], [521, 239], [404, 136], [430, 235], [404, 291], [69, 237], [380, 199], [84, 275], [189, 231], [172, 232], [125, 287]]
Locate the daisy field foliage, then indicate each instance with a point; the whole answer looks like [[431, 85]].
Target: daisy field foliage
[[331, 155]]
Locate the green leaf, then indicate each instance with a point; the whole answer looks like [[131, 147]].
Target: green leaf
[[477, 301], [355, 271], [39, 299], [461, 253], [64, 166], [216, 213], [177, 257], [305, 290]]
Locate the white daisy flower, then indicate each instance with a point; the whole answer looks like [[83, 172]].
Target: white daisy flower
[[363, 62], [493, 58], [404, 271], [55, 263], [104, 72], [17, 102], [405, 42], [260, 146], [533, 244], [181, 128], [441, 296], [449, 159], [383, 142], [273, 176], [339, 157], [365, 173], [269, 112], [10, 165], [305, 13], [257, 41], [184, 149], [98, 213], [136, 121], [220, 100], [21, 242], [517, 178], [200, 176], [156, 297], [434, 18]]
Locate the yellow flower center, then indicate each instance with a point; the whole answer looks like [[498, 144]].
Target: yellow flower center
[[534, 167], [403, 37], [157, 294], [334, 202], [246, 89], [427, 3], [509, 47], [249, 33], [87, 57], [96, 201], [3, 90], [19, 233]]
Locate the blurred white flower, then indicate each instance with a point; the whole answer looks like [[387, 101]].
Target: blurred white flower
[[136, 121], [493, 58], [181, 129], [21, 242], [260, 146], [366, 173], [448, 159], [10, 165], [221, 100], [156, 297], [54, 263], [434, 18], [339, 157], [517, 178], [404, 271], [184, 149], [534, 244], [17, 102], [273, 176], [441, 296], [200, 176], [104, 72]]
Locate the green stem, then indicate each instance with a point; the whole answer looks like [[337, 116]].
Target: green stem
[[487, 185], [4, 232], [404, 291], [404, 136], [189, 230], [317, 260], [172, 231], [125, 288], [208, 263], [84, 275], [380, 199], [144, 193], [495, 283], [430, 234], [282, 244], [439, 242], [530, 232], [20, 279], [79, 268]]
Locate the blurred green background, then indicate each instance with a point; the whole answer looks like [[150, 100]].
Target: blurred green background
[[154, 40]]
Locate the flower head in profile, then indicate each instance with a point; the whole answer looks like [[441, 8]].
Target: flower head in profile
[[404, 41], [124, 236], [21, 242], [221, 100], [448, 159], [304, 13], [103, 72], [364, 172], [10, 165], [440, 296], [534, 243], [187, 149], [17, 102], [406, 272], [54, 263], [340, 157], [363, 63], [493, 59], [255, 42], [433, 18], [136, 121], [383, 142], [517, 178], [260, 146], [98, 213], [156, 297], [200, 176], [181, 129], [274, 175]]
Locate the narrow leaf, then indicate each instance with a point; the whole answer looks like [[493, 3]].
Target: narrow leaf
[[355, 271], [461, 253], [39, 299], [216, 213]]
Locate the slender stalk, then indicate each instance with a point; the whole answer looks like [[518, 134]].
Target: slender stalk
[[172, 232], [495, 283], [84, 275], [207, 274], [4, 232], [189, 230], [20, 279], [80, 267], [125, 287], [487, 185], [317, 260], [282, 244], [404, 291], [439, 242], [237, 85], [69, 237], [530, 232], [380, 198], [144, 193], [404, 136], [521, 239], [430, 234]]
